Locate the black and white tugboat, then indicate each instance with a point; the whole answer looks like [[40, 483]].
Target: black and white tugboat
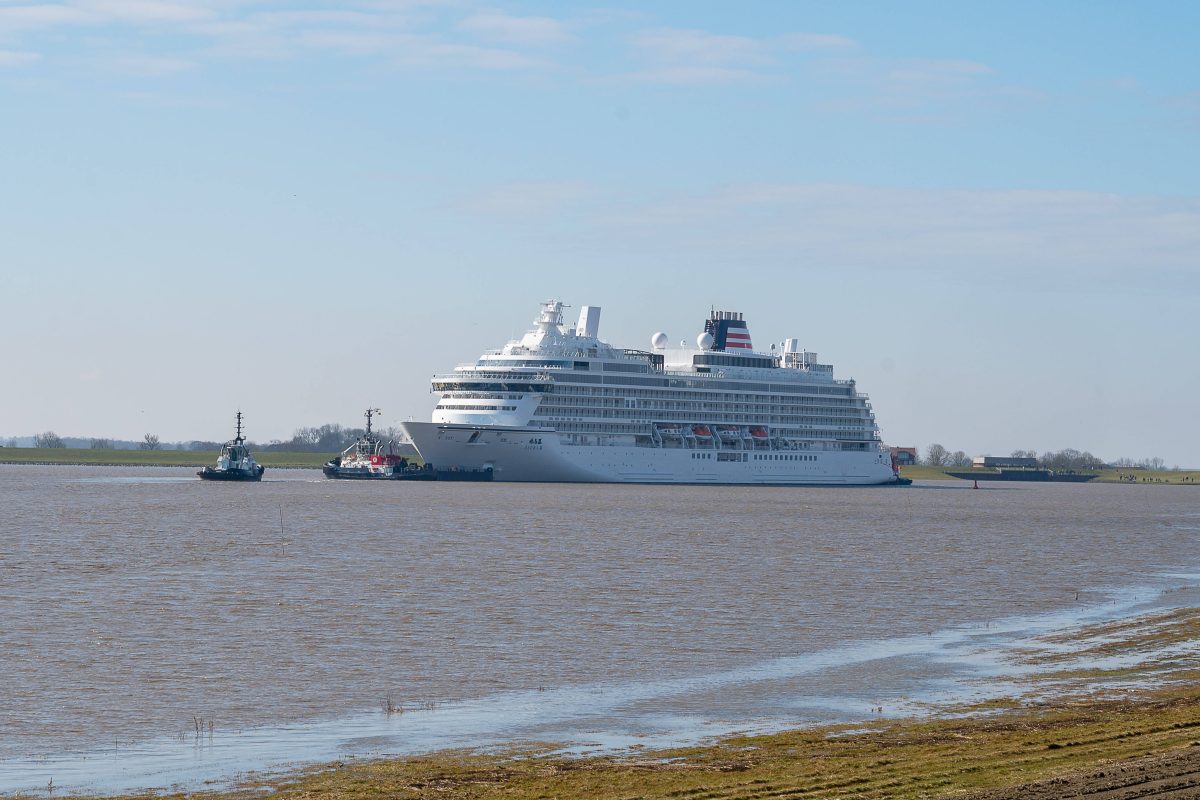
[[235, 462], [369, 458]]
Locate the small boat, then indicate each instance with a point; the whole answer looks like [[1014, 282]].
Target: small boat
[[235, 462], [729, 432], [368, 458], [758, 432], [669, 430], [701, 432]]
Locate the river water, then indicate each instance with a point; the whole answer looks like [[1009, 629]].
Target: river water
[[139, 606]]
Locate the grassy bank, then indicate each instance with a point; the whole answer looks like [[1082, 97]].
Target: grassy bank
[[148, 458], [1097, 738], [988, 755], [1141, 476]]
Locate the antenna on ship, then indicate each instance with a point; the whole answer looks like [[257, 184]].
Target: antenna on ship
[[370, 413], [238, 438]]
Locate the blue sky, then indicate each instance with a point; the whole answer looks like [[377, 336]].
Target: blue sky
[[988, 214]]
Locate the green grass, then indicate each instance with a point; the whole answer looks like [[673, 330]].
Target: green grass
[[1156, 475], [922, 473], [148, 458]]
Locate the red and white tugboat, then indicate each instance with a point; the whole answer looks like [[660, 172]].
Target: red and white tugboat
[[368, 458], [235, 462]]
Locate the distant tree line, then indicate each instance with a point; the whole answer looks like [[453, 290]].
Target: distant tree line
[[329, 438], [938, 456], [1066, 459], [48, 439], [1141, 463], [51, 439]]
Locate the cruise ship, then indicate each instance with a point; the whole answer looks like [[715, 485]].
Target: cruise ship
[[560, 404]]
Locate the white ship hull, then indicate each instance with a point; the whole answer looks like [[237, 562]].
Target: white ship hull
[[540, 455]]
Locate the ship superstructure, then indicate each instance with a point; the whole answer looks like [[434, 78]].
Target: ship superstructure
[[560, 404]]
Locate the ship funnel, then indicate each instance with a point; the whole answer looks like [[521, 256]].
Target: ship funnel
[[589, 321], [729, 331]]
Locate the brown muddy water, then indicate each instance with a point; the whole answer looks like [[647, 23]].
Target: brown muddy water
[[137, 604]]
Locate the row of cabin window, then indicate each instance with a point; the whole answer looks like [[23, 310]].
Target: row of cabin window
[[768, 456]]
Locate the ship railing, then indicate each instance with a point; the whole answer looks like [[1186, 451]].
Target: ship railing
[[653, 440], [505, 375], [721, 374]]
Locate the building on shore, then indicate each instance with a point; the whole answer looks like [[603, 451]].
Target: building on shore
[[990, 462]]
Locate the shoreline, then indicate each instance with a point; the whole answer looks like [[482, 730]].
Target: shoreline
[[1141, 477], [288, 460], [1076, 667], [1096, 734], [1140, 746]]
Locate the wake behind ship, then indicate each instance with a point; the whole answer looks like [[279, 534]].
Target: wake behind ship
[[560, 404]]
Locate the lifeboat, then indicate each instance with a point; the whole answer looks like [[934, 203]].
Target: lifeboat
[[701, 432], [758, 433], [729, 432], [669, 430]]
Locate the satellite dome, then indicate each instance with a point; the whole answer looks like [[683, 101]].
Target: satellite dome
[[704, 341], [659, 341]]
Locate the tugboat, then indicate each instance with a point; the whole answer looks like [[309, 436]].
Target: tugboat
[[366, 459], [235, 462]]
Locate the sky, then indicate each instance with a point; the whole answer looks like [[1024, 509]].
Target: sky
[[988, 214]]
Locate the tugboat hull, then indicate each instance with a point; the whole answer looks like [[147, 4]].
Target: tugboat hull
[[426, 473], [210, 474]]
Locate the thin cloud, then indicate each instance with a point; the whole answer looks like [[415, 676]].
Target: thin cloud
[[913, 89], [432, 53], [696, 47], [36, 17], [405, 34], [700, 76], [1066, 232], [509, 29], [16, 57], [690, 57], [146, 66], [42, 16], [816, 42], [939, 72], [530, 198], [143, 11]]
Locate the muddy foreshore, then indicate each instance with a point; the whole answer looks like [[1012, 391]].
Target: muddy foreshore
[[1109, 711]]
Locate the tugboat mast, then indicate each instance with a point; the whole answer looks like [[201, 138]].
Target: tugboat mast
[[238, 438], [370, 413]]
